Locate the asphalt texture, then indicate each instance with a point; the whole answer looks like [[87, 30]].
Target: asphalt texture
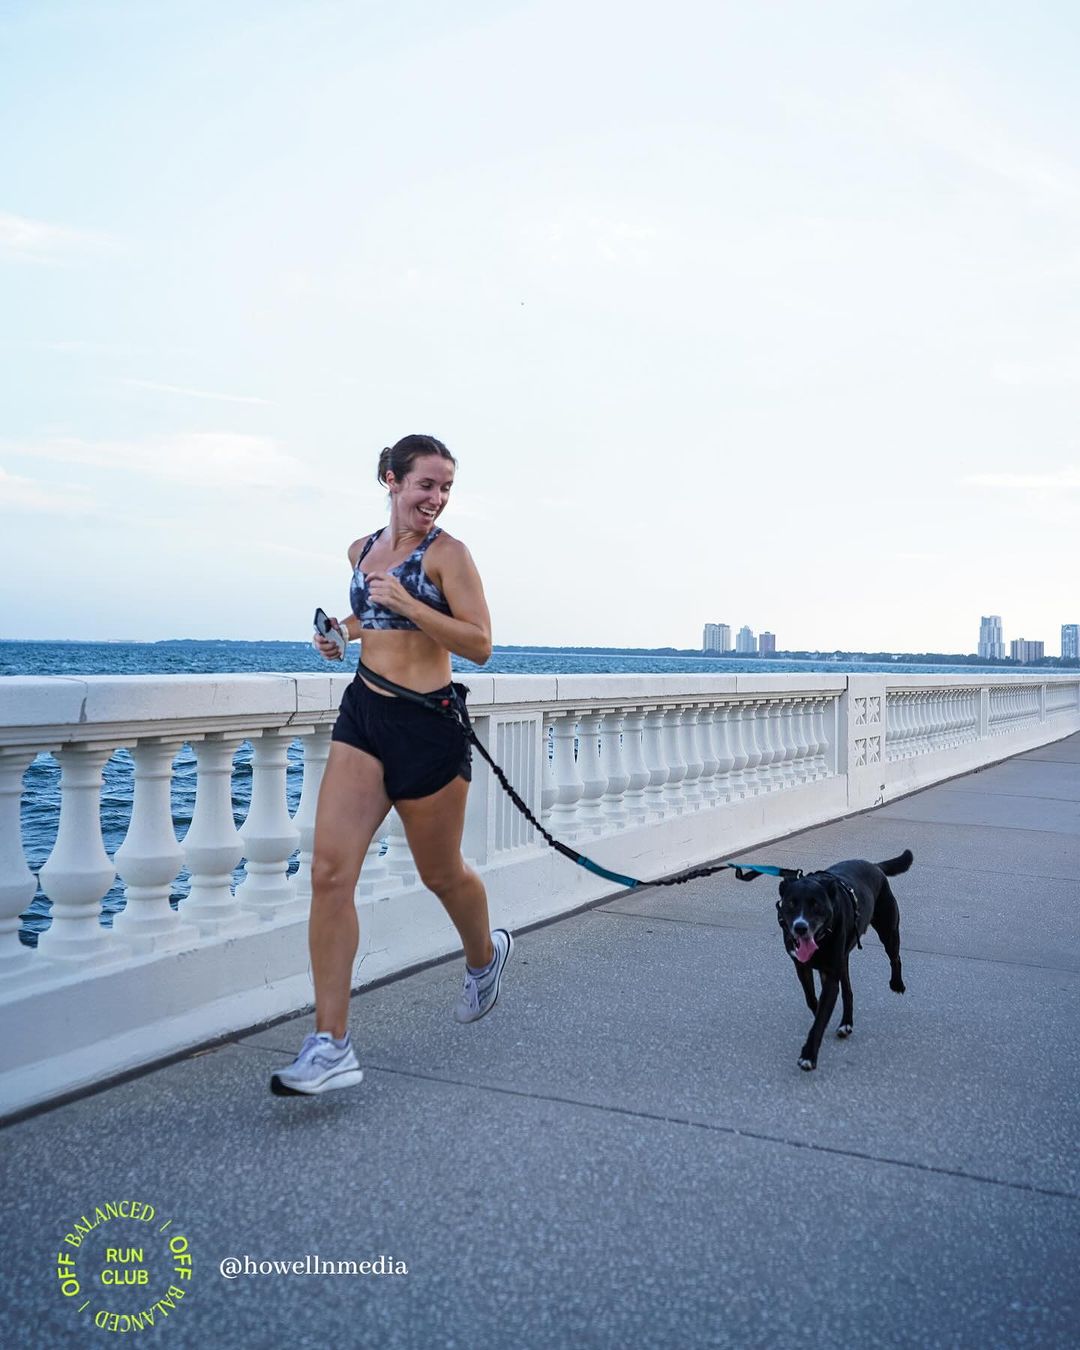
[[625, 1153]]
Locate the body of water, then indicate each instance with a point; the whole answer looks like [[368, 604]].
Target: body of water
[[41, 796]]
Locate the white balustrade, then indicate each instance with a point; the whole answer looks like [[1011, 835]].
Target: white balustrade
[[149, 858], [670, 775]]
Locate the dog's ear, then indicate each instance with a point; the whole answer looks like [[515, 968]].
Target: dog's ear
[[832, 889], [782, 885]]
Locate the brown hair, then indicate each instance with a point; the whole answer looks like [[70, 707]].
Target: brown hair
[[401, 457]]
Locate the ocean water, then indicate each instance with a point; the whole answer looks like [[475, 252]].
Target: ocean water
[[41, 795]]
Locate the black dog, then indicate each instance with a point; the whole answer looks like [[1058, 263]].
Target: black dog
[[823, 915]]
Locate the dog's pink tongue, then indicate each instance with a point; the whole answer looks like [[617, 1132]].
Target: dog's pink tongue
[[805, 947]]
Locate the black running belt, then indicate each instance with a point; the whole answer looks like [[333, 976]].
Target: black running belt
[[453, 710]]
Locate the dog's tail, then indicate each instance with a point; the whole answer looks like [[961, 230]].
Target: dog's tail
[[894, 866]]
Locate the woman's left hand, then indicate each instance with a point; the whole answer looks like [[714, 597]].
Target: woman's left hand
[[387, 591]]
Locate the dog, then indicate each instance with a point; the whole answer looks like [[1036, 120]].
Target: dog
[[823, 915]]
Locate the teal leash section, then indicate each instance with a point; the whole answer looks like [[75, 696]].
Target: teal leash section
[[457, 712]]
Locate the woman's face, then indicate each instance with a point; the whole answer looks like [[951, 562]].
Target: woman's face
[[423, 493]]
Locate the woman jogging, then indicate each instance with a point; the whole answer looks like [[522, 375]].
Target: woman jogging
[[416, 598]]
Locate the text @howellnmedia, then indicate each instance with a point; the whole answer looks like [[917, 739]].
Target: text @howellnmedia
[[240, 1267]]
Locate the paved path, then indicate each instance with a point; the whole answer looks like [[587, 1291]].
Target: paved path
[[625, 1153]]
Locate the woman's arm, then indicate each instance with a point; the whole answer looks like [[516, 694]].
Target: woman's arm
[[467, 632]]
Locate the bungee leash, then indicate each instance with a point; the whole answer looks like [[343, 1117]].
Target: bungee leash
[[455, 710]]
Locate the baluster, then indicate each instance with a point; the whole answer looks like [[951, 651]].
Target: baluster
[[376, 880], [939, 721], [894, 731], [765, 740], [672, 798], [637, 769], [752, 770], [79, 872], [212, 847], [725, 756], [568, 783], [18, 885], [590, 819], [908, 714], [398, 857], [739, 786], [801, 762], [615, 768], [268, 832], [925, 743], [787, 736], [652, 745], [821, 740], [316, 745], [706, 752], [688, 752], [549, 790], [149, 858]]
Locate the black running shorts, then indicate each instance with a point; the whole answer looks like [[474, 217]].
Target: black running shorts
[[421, 750]]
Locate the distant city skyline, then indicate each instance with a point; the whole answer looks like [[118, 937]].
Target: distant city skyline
[[716, 637]]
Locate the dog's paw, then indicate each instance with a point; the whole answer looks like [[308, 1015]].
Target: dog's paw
[[844, 1030], [897, 986], [807, 1064]]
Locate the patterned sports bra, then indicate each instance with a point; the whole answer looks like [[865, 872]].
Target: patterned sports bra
[[412, 576]]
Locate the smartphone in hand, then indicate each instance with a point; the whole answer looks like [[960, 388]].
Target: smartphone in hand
[[325, 629]]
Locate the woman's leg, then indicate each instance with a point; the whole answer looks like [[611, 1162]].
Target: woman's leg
[[433, 827], [352, 805]]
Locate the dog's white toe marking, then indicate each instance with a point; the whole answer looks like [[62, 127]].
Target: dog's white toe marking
[[845, 1030], [806, 1063]]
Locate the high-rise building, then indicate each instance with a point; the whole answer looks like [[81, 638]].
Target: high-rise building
[[1022, 650], [1070, 641], [767, 644], [991, 637], [717, 637], [745, 642]]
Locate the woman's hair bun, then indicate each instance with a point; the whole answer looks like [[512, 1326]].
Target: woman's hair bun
[[400, 457]]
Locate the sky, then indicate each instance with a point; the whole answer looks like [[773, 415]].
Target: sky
[[759, 313]]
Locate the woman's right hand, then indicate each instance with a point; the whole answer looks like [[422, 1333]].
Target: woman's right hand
[[328, 650]]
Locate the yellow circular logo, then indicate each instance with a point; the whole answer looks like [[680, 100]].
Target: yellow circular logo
[[124, 1266]]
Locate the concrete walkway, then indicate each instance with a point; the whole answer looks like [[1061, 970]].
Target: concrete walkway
[[625, 1153]]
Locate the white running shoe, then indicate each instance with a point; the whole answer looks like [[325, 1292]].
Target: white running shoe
[[480, 992], [320, 1066]]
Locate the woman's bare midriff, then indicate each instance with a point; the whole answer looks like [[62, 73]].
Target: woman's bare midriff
[[406, 656]]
